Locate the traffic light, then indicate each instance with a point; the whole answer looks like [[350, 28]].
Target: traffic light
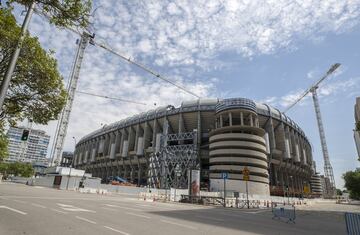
[[25, 135]]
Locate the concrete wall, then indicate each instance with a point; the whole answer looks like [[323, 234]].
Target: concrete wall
[[240, 186], [46, 181]]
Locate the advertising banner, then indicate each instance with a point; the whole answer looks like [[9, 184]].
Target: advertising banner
[[195, 183]]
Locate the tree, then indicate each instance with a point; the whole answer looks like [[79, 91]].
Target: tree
[[36, 90], [352, 183], [63, 13], [357, 126], [3, 144], [339, 192], [17, 169]]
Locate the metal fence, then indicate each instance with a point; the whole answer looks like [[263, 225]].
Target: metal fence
[[352, 223], [287, 212]]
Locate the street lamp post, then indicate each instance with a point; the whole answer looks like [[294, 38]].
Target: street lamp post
[[15, 54], [67, 184], [292, 185]]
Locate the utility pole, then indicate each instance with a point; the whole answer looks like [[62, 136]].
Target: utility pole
[[11, 67], [63, 122]]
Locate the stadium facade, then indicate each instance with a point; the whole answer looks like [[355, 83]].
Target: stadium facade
[[216, 136]]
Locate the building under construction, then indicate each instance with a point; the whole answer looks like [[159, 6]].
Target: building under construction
[[158, 147]]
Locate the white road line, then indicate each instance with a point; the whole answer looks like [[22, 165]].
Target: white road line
[[209, 218], [115, 230], [253, 212], [138, 215], [139, 205], [66, 207], [178, 224], [62, 212], [14, 210], [38, 205], [123, 207], [19, 201], [86, 220], [109, 209]]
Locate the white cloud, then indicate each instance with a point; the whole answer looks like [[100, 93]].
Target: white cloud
[[350, 86], [181, 39]]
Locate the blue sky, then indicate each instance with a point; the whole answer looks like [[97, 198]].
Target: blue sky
[[269, 51]]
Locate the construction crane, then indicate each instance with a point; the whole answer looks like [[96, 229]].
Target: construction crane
[[110, 98], [61, 129], [328, 171]]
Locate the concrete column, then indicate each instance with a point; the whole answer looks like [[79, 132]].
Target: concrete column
[[137, 135], [155, 128], [251, 120], [131, 139], [241, 118], [146, 136], [230, 119], [221, 121], [181, 123], [117, 142]]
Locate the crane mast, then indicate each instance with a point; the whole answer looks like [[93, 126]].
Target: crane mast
[[63, 122], [328, 171]]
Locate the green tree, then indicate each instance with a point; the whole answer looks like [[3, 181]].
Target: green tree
[[63, 13], [36, 90], [357, 126], [352, 183], [17, 169], [4, 168], [339, 192], [3, 144], [27, 170]]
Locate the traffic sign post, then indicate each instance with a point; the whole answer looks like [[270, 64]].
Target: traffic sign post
[[224, 175], [246, 177]]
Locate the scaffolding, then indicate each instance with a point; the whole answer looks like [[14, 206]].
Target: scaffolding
[[169, 166]]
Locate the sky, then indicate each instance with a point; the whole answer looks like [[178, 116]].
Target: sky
[[269, 51]]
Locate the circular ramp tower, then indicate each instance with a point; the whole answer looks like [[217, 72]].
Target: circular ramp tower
[[238, 142]]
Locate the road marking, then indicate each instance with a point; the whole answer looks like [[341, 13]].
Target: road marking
[[62, 212], [210, 218], [87, 220], [139, 205], [109, 209], [66, 207], [138, 215], [19, 201], [38, 187], [123, 207], [14, 210], [178, 224], [38, 205], [253, 212], [115, 230]]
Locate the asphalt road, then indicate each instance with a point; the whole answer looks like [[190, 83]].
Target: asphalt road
[[36, 210]]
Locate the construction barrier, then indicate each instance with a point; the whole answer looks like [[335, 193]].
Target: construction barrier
[[352, 221], [286, 212]]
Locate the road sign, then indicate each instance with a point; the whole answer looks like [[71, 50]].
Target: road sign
[[224, 175], [246, 171], [306, 189]]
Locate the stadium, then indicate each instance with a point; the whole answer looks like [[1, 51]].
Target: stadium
[[157, 148]]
